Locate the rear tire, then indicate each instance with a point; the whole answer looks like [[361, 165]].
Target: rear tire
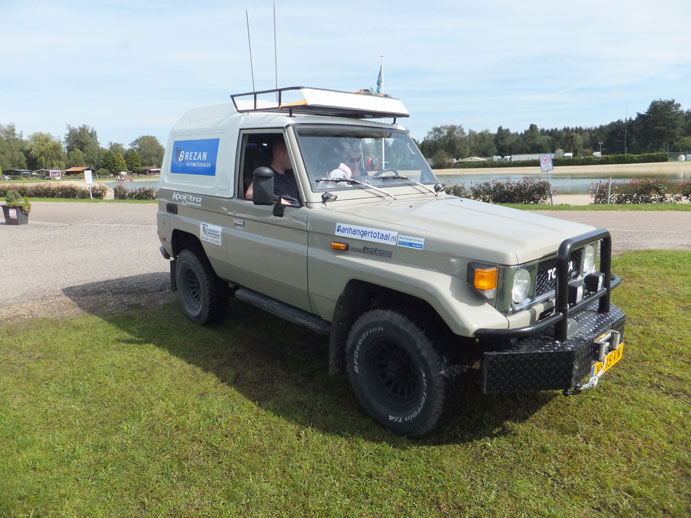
[[203, 296], [395, 372]]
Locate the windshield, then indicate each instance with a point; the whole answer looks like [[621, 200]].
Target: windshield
[[377, 157]]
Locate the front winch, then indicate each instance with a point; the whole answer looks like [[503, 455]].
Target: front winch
[[610, 351]]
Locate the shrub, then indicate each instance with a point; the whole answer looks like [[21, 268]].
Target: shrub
[[14, 199], [52, 190], [648, 190], [685, 189], [525, 190], [458, 190], [143, 193]]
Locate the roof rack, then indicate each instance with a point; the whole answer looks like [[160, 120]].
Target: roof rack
[[320, 101]]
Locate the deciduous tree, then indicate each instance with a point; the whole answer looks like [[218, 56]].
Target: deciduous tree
[[11, 146], [149, 149], [134, 161], [76, 158], [117, 148], [481, 143], [85, 139], [450, 138], [45, 151]]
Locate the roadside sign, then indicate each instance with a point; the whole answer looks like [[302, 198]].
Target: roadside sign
[[89, 179], [546, 163]]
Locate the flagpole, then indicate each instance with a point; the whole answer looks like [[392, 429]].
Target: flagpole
[[382, 74], [381, 90]]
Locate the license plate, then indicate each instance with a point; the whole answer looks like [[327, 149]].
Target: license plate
[[611, 358]]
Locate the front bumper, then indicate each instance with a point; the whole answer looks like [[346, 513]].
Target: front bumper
[[559, 350], [539, 362]]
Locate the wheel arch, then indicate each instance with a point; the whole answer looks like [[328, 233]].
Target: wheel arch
[[181, 240], [361, 296]]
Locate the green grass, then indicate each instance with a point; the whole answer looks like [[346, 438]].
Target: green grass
[[146, 414], [88, 200], [628, 207]]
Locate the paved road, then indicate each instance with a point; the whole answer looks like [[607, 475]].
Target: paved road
[[75, 257], [637, 230], [75, 254]]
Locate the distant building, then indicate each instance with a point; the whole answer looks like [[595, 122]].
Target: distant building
[[151, 170], [77, 170], [26, 173], [529, 156], [50, 174]]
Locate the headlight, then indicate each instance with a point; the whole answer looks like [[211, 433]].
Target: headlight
[[521, 286], [589, 259]]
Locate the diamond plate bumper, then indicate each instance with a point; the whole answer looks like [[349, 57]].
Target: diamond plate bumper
[[539, 362]]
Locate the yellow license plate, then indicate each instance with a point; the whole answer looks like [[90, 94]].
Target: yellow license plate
[[611, 358]]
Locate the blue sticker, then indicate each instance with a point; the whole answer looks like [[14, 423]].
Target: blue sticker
[[194, 157], [418, 243]]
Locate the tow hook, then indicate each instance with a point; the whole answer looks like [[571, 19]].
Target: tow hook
[[607, 343]]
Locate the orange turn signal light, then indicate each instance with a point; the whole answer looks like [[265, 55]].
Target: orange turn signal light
[[485, 279], [339, 246]]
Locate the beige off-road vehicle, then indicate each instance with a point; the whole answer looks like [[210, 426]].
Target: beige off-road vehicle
[[349, 233]]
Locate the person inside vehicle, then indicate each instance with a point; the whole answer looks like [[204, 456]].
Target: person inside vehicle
[[351, 166], [285, 185]]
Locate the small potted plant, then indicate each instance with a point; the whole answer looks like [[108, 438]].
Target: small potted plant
[[16, 208]]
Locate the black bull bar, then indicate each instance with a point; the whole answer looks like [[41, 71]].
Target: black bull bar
[[548, 354]]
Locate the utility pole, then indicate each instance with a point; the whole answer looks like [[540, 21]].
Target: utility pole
[[626, 124]]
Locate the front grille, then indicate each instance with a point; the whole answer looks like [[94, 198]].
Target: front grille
[[546, 281]]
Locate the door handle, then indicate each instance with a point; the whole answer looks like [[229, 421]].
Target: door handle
[[238, 222]]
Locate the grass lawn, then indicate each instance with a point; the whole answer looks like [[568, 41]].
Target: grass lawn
[[612, 206], [89, 200], [146, 414]]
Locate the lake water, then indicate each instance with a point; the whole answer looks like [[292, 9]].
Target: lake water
[[563, 184]]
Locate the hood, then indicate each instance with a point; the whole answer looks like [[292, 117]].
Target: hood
[[480, 230]]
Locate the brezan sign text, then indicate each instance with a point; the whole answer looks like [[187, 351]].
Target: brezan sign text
[[196, 157]]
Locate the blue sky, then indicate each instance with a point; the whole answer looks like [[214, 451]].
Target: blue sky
[[131, 68]]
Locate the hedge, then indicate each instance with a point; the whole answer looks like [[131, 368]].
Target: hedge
[[143, 193], [648, 190], [590, 160], [48, 190], [525, 190]]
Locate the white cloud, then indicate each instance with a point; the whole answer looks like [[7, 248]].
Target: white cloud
[[130, 68]]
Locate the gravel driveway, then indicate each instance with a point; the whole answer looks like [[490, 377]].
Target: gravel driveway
[[97, 258]]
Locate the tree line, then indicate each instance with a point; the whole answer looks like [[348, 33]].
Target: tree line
[[80, 148], [664, 127]]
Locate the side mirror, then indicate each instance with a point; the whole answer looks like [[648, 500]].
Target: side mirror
[[263, 186]]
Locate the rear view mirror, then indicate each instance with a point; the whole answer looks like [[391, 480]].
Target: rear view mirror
[[263, 190]]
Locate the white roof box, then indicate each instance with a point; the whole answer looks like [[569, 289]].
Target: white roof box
[[319, 101]]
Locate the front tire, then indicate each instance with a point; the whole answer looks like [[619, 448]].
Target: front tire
[[395, 372], [203, 296]]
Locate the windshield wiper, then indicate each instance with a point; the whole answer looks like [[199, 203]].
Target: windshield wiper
[[403, 177], [356, 182]]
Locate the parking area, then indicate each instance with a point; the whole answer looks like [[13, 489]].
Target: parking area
[[102, 257]]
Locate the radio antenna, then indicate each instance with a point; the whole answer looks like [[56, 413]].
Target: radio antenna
[[249, 42], [275, 51]]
